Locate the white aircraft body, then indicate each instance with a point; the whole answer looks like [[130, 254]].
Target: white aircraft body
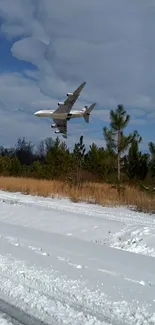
[[64, 112]]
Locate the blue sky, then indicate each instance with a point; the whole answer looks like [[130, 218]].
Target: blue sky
[[8, 62], [48, 48]]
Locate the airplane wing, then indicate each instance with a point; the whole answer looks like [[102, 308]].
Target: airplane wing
[[61, 126], [70, 101]]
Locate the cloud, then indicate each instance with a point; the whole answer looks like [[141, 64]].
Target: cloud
[[18, 92], [109, 44], [105, 43], [137, 112], [30, 50], [137, 121], [20, 98], [102, 114]]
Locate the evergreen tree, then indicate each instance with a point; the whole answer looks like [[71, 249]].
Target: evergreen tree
[[136, 163], [79, 151], [78, 162], [95, 160], [152, 158], [57, 160], [116, 141], [100, 162]]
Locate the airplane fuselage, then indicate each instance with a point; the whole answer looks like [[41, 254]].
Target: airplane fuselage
[[64, 112], [51, 114]]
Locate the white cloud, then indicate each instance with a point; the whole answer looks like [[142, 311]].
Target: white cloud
[[18, 92], [102, 115], [29, 49], [137, 122], [137, 112], [107, 43], [24, 97]]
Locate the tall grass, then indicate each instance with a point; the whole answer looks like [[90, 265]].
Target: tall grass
[[103, 194]]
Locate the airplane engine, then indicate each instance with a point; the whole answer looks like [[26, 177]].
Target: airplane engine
[[60, 103], [53, 126], [69, 94]]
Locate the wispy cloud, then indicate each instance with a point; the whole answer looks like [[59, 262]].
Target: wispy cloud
[[109, 44]]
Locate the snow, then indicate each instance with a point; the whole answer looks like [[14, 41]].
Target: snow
[[4, 320], [77, 263], [139, 240]]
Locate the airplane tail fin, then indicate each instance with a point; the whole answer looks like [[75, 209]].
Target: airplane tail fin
[[87, 112]]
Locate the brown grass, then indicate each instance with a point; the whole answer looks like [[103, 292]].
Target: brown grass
[[103, 194]]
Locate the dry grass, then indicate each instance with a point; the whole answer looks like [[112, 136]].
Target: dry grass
[[103, 194]]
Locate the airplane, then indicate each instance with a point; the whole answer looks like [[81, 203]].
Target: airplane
[[64, 112]]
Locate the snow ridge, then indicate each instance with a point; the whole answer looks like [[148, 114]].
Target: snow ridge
[[52, 269], [56, 298]]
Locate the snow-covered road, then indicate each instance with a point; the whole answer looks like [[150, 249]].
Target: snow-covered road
[[74, 263], [6, 320], [12, 315]]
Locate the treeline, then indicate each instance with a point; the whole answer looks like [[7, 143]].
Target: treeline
[[120, 160]]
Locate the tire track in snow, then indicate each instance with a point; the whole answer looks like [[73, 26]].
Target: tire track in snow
[[58, 300], [110, 213], [7, 320], [38, 250], [17, 316]]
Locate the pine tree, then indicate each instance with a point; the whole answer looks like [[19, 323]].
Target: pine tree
[[152, 158], [57, 159], [136, 163], [116, 141], [96, 161], [78, 162], [79, 151]]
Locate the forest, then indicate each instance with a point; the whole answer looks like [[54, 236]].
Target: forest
[[119, 161]]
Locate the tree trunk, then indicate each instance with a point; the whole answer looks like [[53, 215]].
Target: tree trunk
[[118, 157]]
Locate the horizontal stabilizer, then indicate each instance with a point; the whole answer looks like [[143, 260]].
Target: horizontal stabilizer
[[87, 112]]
